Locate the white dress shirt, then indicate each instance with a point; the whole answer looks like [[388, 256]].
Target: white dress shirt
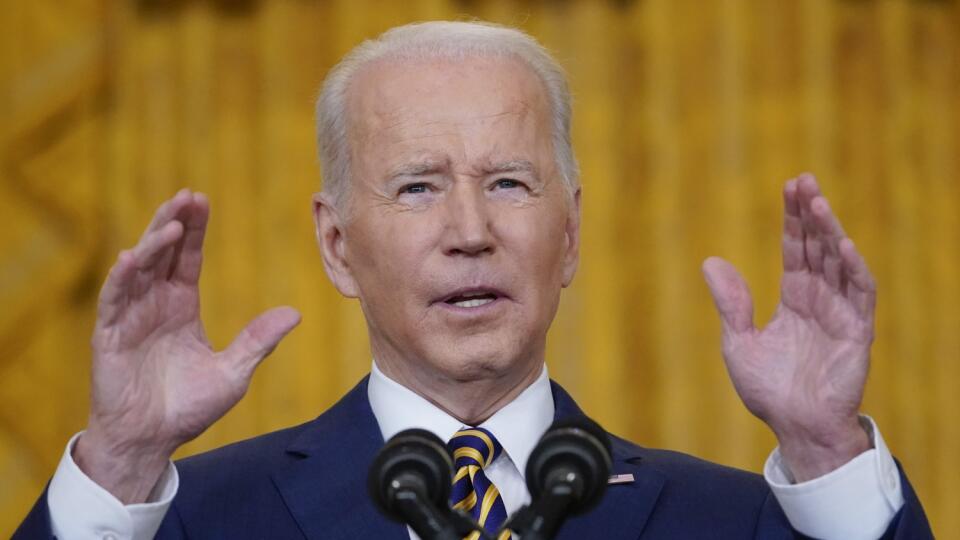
[[855, 501], [517, 426]]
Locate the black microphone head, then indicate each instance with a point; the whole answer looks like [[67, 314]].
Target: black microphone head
[[574, 450], [414, 459]]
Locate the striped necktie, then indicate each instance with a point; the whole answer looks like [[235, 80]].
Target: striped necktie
[[474, 449]]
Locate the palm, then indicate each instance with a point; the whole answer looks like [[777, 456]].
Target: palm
[[160, 368], [807, 355], [806, 369], [156, 380]]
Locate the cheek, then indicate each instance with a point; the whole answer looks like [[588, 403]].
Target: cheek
[[537, 241], [389, 254]]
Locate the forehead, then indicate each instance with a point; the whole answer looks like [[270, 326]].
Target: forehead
[[475, 105]]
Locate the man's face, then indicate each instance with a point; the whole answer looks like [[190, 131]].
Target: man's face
[[459, 232]]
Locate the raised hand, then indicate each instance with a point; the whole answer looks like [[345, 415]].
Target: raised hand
[[804, 372], [156, 381]]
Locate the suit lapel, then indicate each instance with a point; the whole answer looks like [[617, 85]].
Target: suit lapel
[[625, 508], [324, 483]]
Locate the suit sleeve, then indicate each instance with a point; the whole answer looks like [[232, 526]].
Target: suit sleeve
[[36, 525], [867, 498], [74, 507], [857, 501], [910, 523]]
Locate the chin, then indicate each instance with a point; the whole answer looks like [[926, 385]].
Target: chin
[[480, 357]]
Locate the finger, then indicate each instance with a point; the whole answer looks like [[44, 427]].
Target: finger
[[828, 226], [813, 253], [833, 272], [862, 289], [168, 211], [188, 258], [134, 267], [793, 251], [155, 245], [115, 288], [808, 190], [260, 338], [730, 295], [831, 234]]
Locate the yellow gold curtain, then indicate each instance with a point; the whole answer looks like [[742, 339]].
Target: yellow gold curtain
[[689, 115]]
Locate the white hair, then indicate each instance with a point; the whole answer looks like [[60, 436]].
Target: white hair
[[442, 40]]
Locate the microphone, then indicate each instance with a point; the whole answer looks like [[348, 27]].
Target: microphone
[[566, 474], [410, 481]]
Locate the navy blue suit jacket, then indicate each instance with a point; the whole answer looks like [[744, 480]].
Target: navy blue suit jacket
[[309, 481]]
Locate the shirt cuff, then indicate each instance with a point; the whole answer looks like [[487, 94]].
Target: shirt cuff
[[81, 509], [855, 501]]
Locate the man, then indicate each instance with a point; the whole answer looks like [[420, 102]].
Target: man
[[451, 210]]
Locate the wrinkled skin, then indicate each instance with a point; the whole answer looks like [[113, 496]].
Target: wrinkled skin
[[804, 372], [156, 381], [455, 185]]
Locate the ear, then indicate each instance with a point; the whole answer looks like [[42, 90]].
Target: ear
[[330, 238], [572, 235]]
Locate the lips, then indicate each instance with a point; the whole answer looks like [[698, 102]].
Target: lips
[[472, 297], [471, 301]]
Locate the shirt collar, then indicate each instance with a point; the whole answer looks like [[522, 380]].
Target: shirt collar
[[518, 425]]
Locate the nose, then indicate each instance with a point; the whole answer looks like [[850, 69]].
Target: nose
[[468, 230]]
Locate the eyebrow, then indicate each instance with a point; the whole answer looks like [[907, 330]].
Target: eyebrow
[[517, 165], [429, 167], [421, 168]]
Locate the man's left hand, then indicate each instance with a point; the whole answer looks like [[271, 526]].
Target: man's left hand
[[804, 372]]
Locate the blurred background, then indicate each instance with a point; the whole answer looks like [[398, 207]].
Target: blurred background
[[689, 116]]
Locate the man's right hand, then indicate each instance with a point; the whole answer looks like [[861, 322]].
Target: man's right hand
[[156, 382]]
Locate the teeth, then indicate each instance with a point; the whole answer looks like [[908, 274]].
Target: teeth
[[473, 302]]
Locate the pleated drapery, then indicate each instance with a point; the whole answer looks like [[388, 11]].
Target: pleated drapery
[[689, 115]]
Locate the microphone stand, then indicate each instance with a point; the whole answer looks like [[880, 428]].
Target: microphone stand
[[428, 521], [541, 519]]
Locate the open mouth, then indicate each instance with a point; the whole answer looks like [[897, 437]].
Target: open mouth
[[471, 300]]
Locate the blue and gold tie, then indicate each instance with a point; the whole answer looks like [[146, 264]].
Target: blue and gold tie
[[473, 450]]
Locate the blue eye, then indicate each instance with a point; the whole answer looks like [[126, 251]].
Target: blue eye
[[507, 183], [415, 188]]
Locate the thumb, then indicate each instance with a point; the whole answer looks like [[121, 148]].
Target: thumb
[[261, 336], [730, 295]]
